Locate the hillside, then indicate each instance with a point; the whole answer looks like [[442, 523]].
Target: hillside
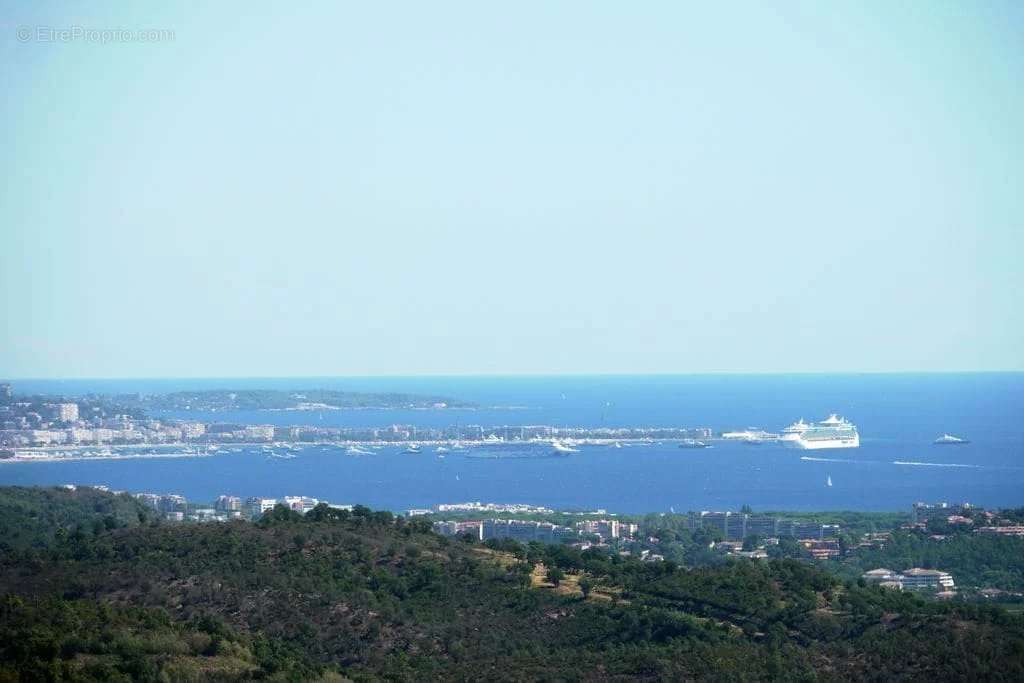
[[366, 595]]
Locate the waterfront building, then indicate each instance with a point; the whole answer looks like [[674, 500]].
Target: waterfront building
[[192, 430], [77, 435], [258, 433]]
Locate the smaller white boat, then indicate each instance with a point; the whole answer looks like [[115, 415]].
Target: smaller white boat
[[949, 440], [828, 481], [441, 449], [563, 449], [616, 445], [356, 450], [693, 443], [413, 449]]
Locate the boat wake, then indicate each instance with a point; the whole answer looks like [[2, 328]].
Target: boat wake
[[934, 464], [813, 459]]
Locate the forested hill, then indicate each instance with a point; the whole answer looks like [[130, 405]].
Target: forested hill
[[35, 517], [367, 596]]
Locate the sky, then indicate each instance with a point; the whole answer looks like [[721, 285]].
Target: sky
[[510, 188]]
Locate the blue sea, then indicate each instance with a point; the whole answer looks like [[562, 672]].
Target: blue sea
[[898, 415]]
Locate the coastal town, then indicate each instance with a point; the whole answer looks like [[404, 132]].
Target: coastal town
[[63, 429], [727, 535]]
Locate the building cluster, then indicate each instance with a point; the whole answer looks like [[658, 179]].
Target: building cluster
[[63, 424], [736, 526], [921, 513], [512, 508], [965, 515], [37, 424], [608, 529], [525, 531], [915, 579], [177, 508]]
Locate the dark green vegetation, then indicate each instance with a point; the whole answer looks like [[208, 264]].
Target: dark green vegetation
[[366, 595], [36, 518], [976, 560], [219, 400]]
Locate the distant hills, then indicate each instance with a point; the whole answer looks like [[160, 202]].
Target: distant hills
[[98, 590], [310, 399]]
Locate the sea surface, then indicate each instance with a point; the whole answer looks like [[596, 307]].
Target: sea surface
[[898, 417]]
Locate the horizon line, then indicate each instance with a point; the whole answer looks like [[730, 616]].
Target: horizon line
[[499, 375]]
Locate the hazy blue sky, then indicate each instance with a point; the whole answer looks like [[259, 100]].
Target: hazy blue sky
[[396, 188]]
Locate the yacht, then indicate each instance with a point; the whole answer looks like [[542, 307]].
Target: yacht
[[949, 440], [412, 449], [832, 432], [356, 450], [693, 443], [563, 449], [749, 434], [441, 450]]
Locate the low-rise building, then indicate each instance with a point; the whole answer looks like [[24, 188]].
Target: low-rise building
[[880, 575], [821, 550], [1017, 530], [915, 579], [926, 579], [301, 504]]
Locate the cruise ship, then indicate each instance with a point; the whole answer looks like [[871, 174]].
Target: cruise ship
[[832, 432]]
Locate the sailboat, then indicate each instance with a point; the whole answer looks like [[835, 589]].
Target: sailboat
[[828, 481]]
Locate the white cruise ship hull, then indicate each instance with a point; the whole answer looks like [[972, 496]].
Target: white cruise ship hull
[[821, 444]]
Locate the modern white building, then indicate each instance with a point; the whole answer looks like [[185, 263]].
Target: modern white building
[[926, 579], [915, 579]]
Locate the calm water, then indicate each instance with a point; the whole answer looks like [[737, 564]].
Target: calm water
[[898, 417]]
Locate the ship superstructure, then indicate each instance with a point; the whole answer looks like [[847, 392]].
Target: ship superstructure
[[832, 432]]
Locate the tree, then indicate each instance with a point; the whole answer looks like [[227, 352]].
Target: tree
[[555, 575], [586, 586]]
